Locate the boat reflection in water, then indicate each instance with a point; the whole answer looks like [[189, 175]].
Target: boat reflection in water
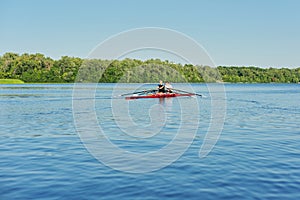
[[166, 103]]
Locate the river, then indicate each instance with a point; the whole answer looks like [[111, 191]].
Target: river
[[48, 150]]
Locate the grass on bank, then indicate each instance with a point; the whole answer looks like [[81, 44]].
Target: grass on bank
[[11, 81]]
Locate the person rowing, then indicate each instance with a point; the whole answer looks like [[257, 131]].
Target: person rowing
[[168, 87], [161, 87]]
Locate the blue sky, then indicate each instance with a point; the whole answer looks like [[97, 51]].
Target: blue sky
[[262, 33]]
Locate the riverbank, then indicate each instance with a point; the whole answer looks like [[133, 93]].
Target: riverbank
[[36, 68], [11, 81]]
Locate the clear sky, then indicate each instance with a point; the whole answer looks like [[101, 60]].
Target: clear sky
[[264, 33]]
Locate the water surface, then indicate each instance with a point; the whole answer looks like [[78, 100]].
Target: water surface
[[256, 157]]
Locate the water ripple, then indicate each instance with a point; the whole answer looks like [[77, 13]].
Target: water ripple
[[257, 156]]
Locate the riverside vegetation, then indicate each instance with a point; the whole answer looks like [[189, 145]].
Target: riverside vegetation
[[36, 68]]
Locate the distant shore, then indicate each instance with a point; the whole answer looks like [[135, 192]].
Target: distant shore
[[11, 81], [17, 81], [36, 68]]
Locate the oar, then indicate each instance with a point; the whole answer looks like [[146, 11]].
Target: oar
[[200, 95], [144, 91]]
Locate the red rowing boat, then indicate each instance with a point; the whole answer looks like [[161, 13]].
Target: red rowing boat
[[159, 95]]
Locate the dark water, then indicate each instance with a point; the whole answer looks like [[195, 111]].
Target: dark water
[[256, 157]]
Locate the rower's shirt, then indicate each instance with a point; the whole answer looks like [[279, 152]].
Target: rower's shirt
[[168, 88], [161, 88]]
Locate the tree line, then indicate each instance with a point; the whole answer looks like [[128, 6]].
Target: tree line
[[37, 68]]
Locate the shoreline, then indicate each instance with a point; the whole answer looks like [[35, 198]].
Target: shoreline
[[20, 82]]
